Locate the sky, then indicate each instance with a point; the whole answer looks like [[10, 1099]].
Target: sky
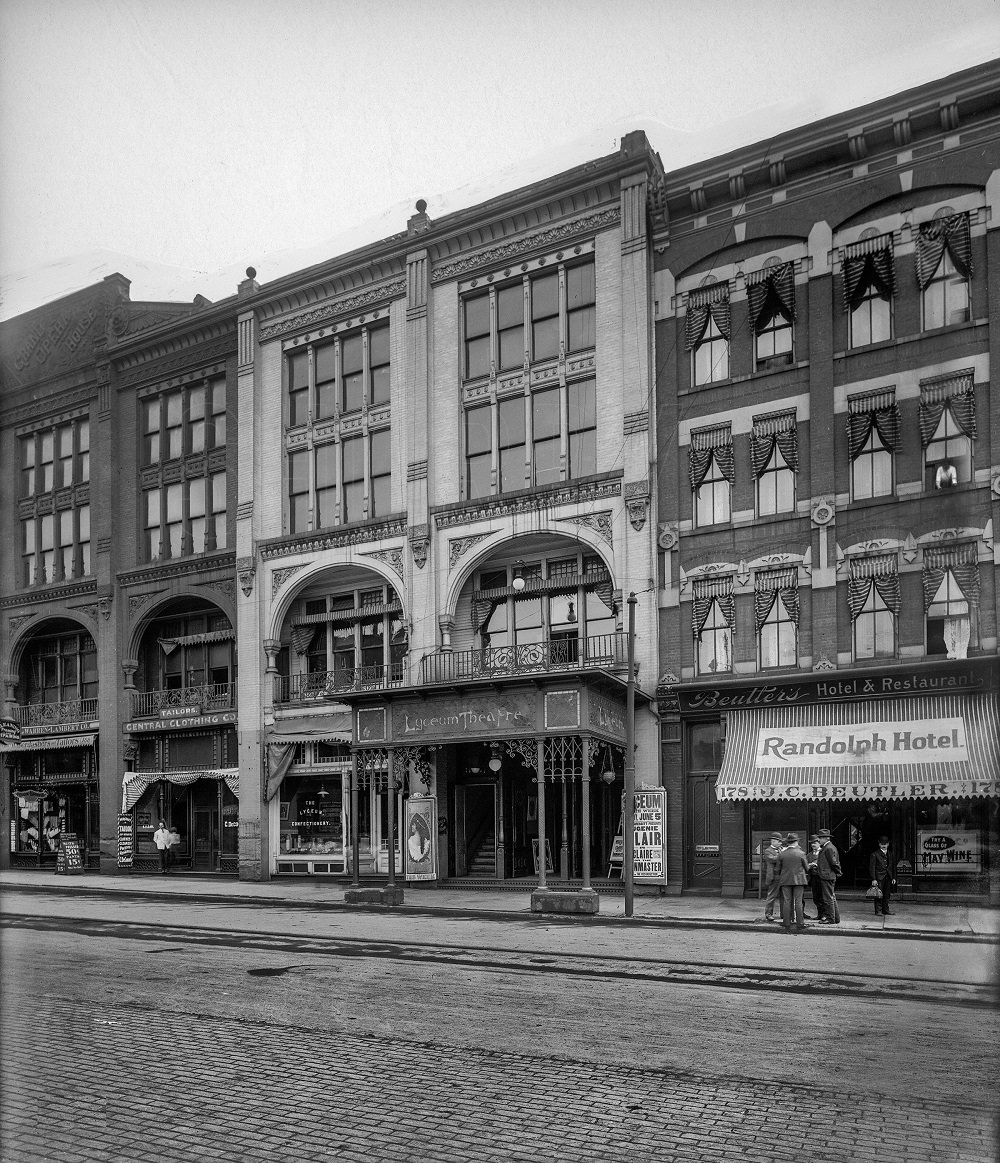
[[180, 141]]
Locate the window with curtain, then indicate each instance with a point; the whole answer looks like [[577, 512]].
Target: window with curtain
[[944, 269], [951, 599], [771, 299], [869, 286], [712, 474], [706, 333], [774, 456], [713, 623], [776, 617], [947, 416], [872, 442], [873, 599]]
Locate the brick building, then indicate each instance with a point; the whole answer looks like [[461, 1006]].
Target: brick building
[[829, 490]]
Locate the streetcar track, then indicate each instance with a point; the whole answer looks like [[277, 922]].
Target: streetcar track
[[591, 966]]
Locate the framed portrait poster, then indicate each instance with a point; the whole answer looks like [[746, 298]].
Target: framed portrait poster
[[420, 839]]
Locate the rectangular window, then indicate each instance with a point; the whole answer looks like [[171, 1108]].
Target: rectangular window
[[872, 434], [477, 336], [946, 296], [151, 523], [776, 613], [298, 388], [871, 319], [513, 458], [948, 427], [326, 382], [582, 428], [874, 629], [343, 374], [380, 456], [510, 326], [479, 450], [545, 433], [378, 363], [581, 309], [711, 470], [326, 486], [352, 374], [353, 452], [298, 491], [545, 316]]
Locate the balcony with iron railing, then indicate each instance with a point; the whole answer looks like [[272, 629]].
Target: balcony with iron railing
[[328, 685], [56, 714], [207, 697], [602, 652]]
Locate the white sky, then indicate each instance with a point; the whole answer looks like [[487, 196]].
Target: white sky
[[212, 134]]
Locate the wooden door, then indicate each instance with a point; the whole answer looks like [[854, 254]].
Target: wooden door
[[704, 841]]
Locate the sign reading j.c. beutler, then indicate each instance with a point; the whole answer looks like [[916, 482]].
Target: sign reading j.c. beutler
[[862, 744]]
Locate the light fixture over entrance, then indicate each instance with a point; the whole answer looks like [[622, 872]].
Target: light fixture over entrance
[[518, 579]]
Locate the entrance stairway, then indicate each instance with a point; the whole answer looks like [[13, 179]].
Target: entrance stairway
[[484, 861]]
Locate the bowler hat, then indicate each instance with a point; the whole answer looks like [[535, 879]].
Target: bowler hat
[[776, 836], [791, 838], [811, 838], [824, 833]]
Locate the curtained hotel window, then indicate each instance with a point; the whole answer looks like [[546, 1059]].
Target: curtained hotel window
[[771, 296], [947, 430], [713, 622], [776, 617], [712, 472], [869, 286], [774, 455], [872, 441], [873, 599], [951, 599], [706, 333], [944, 269]]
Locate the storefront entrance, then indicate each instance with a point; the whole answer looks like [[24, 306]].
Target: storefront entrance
[[205, 813]]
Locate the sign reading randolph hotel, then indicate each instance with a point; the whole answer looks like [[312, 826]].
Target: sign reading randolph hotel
[[938, 741]]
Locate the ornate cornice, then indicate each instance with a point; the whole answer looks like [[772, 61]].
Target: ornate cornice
[[159, 367], [331, 310], [50, 594], [486, 509], [316, 543], [527, 242], [65, 405], [224, 563]]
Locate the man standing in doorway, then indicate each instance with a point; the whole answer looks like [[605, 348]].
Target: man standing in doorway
[[882, 870], [793, 878], [769, 873], [828, 869], [161, 838]]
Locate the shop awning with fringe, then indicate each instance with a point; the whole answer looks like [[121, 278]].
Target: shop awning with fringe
[[927, 748], [136, 783]]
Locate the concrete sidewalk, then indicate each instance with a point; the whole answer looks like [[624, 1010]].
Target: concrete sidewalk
[[910, 919]]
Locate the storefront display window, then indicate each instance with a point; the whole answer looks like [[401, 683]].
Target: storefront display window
[[311, 816]]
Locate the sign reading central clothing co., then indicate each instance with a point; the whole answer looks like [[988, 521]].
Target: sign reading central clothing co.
[[861, 744], [471, 717]]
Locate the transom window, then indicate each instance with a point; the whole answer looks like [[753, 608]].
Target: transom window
[[531, 319], [535, 438], [340, 375], [54, 463]]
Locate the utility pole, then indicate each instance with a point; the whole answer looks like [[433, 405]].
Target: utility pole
[[629, 827]]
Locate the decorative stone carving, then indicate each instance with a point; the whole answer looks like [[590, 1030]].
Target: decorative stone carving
[[393, 558], [910, 549], [271, 648], [669, 535], [14, 624], [743, 574], [823, 510], [104, 605], [90, 611], [137, 601], [245, 571], [130, 750], [461, 545], [601, 523], [129, 667], [420, 543], [280, 576], [330, 311], [637, 503], [823, 664]]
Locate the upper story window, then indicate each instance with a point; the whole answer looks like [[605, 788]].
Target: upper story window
[[340, 481], [944, 269], [185, 517], [537, 437], [532, 319], [872, 440], [774, 454], [951, 599], [706, 333], [59, 668], [713, 621], [947, 430], [563, 600], [712, 473], [184, 422], [190, 650], [776, 617], [873, 599], [869, 286], [339, 375], [771, 298], [55, 504]]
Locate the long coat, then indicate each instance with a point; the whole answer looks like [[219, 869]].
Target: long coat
[[792, 867], [828, 862]]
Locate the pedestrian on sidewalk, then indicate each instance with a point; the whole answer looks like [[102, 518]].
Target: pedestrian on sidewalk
[[815, 884], [175, 843], [769, 872], [793, 877], [161, 838], [828, 869], [882, 870]]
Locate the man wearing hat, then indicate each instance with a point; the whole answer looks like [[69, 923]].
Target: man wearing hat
[[769, 873], [815, 884], [793, 877], [882, 870], [828, 869]]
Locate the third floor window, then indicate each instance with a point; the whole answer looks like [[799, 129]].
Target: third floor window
[[341, 375], [185, 422]]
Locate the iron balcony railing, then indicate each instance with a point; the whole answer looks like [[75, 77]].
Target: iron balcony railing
[[48, 714], [328, 684], [217, 696], [602, 652]]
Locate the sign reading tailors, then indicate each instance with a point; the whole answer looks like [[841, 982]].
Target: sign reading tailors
[[420, 841], [69, 861], [947, 851], [649, 851], [126, 840]]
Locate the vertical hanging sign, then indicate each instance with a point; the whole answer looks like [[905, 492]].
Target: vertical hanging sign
[[649, 859], [126, 844], [420, 841]]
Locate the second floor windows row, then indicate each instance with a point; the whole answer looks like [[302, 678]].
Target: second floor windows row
[[185, 518], [185, 422], [340, 482]]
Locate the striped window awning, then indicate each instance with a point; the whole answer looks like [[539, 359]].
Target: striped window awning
[[48, 742], [928, 748]]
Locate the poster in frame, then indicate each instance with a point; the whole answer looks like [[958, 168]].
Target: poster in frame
[[420, 839]]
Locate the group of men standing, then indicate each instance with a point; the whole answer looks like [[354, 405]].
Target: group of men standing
[[787, 871]]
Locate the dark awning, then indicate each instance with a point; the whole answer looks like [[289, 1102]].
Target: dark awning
[[47, 742], [938, 747], [335, 728]]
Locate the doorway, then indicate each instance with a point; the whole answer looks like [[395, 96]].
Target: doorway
[[704, 840], [475, 835]]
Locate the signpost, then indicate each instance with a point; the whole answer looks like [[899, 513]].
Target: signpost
[[628, 828]]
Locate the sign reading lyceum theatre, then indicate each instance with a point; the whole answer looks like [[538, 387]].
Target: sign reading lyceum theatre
[[478, 716]]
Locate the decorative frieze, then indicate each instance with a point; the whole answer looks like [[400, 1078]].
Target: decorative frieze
[[329, 312], [334, 539], [137, 601], [486, 509]]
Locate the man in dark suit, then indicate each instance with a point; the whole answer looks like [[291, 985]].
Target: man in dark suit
[[792, 879], [882, 870], [828, 869]]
